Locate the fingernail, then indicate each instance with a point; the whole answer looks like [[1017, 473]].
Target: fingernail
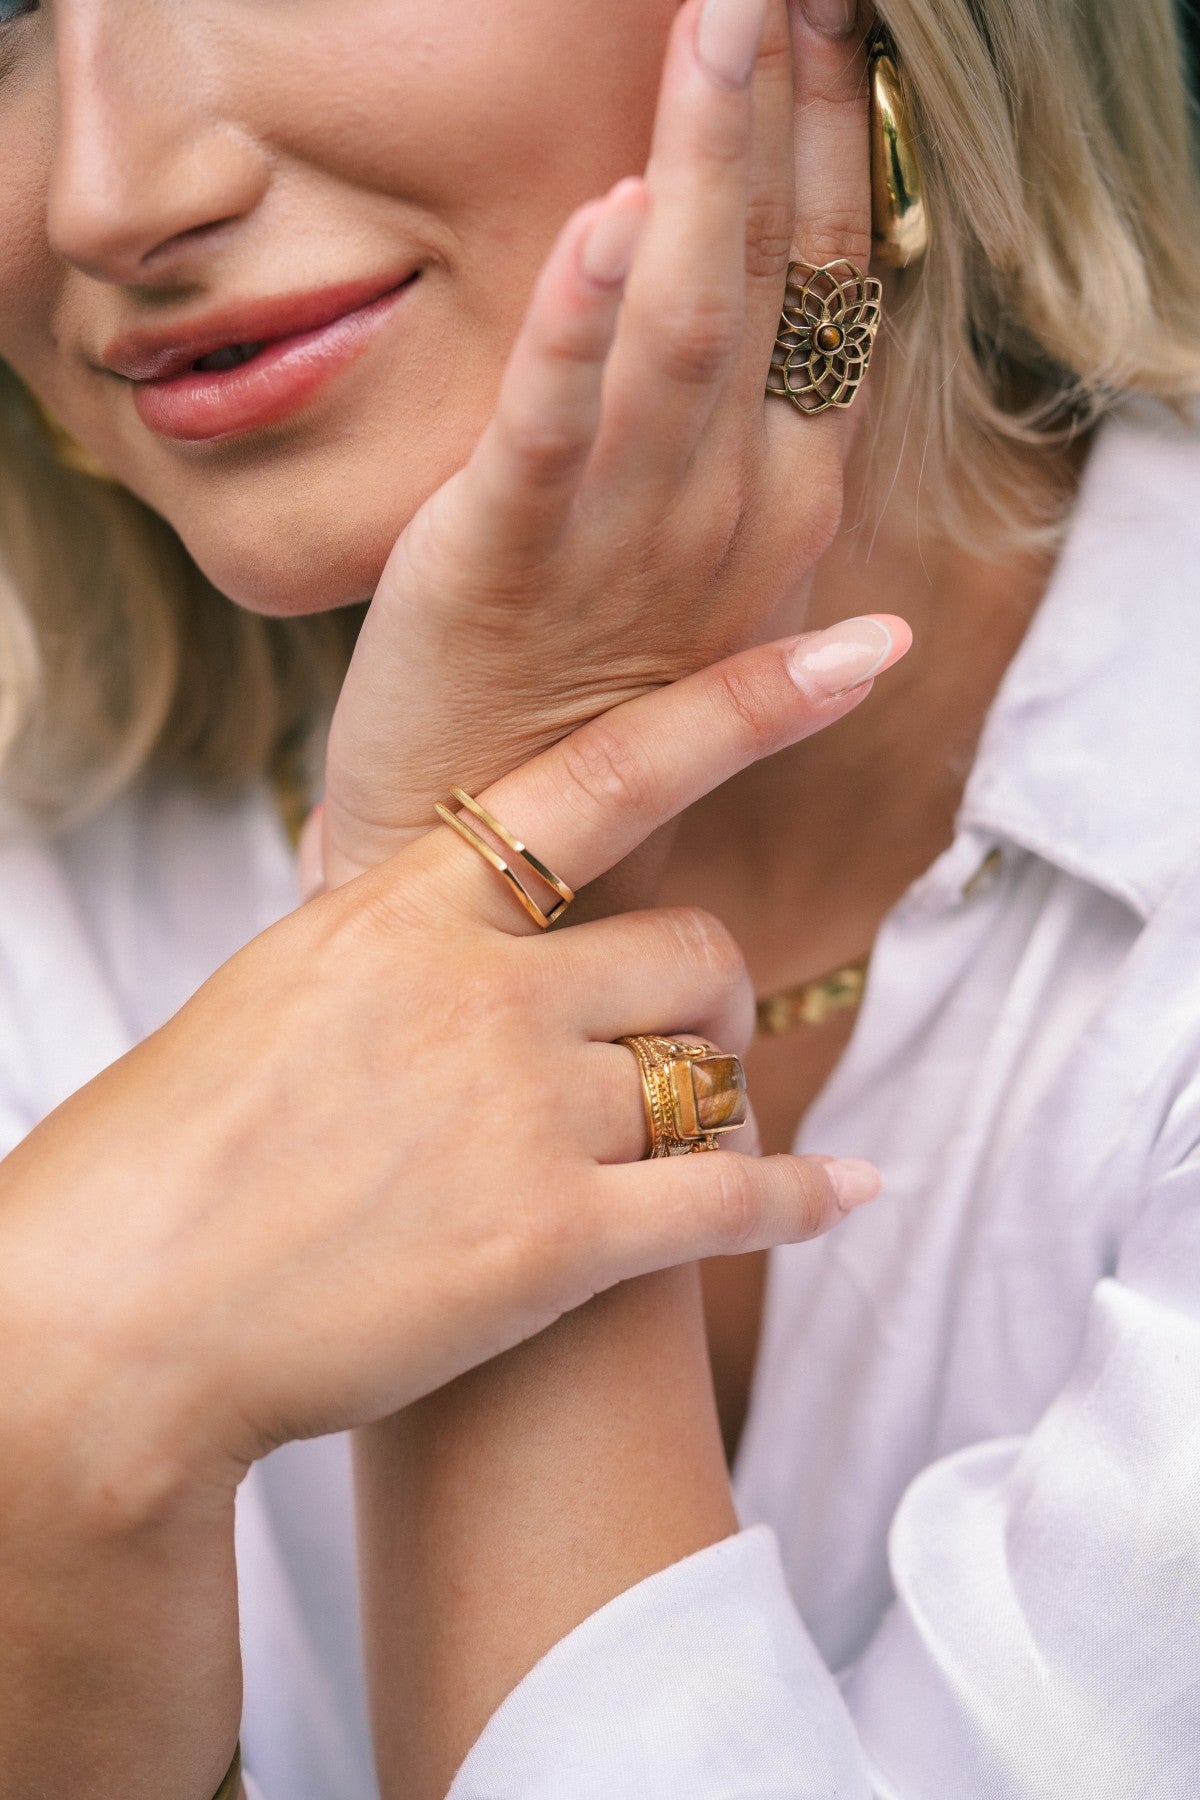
[[836, 18], [608, 248], [853, 1182], [727, 38], [832, 662]]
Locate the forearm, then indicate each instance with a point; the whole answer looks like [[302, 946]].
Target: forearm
[[499, 1513], [119, 1666], [120, 1673]]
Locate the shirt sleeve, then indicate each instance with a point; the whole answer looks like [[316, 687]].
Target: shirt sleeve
[[699, 1682], [1044, 1638], [18, 1113]]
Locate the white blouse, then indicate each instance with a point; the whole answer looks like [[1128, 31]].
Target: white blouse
[[971, 1472]]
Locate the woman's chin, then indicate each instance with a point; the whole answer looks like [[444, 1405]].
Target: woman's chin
[[299, 552], [288, 581], [309, 537]]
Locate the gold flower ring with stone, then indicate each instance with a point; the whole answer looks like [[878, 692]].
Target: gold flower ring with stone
[[826, 334], [693, 1093]]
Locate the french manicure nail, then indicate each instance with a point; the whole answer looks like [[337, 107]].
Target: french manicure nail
[[608, 248], [836, 18], [853, 1182], [727, 38], [830, 663]]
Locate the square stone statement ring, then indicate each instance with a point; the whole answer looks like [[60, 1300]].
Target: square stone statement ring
[[693, 1092]]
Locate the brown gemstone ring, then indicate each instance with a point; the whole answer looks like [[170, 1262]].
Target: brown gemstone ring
[[826, 334], [692, 1092]]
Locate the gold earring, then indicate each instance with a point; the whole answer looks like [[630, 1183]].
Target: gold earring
[[68, 450], [899, 218]]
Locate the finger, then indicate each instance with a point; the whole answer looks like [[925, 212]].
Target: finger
[[675, 969], [676, 972], [747, 1142], [683, 318], [681, 1208], [833, 200], [517, 488], [770, 210], [832, 146], [585, 804], [614, 1123]]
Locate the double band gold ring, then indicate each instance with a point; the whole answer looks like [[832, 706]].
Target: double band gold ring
[[693, 1093], [542, 916]]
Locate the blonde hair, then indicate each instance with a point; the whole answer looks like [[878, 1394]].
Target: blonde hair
[[117, 654], [1058, 154]]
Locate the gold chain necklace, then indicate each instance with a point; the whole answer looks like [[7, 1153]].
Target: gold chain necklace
[[812, 1002]]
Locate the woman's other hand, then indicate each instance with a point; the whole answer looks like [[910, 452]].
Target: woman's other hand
[[637, 507], [393, 1136]]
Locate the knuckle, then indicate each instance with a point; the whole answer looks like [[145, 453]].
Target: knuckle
[[769, 228], [515, 985], [708, 942], [825, 501], [841, 231], [713, 534], [812, 1200], [376, 910], [488, 999], [700, 339], [725, 137], [547, 448], [477, 1001], [815, 521], [608, 771], [747, 693], [735, 1200], [551, 1237]]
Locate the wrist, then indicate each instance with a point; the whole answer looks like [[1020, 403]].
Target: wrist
[[95, 1444], [109, 1407]]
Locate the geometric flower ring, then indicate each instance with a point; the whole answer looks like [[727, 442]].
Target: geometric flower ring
[[826, 334]]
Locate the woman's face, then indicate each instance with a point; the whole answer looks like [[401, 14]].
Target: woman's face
[[400, 166]]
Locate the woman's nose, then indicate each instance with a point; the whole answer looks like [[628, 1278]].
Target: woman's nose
[[143, 158]]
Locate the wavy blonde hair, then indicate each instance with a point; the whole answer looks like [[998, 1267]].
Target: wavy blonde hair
[[1057, 146]]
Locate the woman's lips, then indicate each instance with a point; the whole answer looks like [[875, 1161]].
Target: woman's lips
[[199, 405]]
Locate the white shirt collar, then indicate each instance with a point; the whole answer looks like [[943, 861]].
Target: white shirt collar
[[1090, 756]]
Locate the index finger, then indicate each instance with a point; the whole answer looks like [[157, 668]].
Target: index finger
[[587, 803]]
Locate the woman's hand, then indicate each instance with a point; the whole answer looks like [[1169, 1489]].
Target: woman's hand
[[392, 1136], [636, 507]]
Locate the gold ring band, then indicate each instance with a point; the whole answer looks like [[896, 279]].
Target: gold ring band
[[537, 913], [693, 1093], [826, 334]]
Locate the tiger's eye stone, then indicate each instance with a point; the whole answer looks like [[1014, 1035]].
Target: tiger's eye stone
[[719, 1084], [828, 338]]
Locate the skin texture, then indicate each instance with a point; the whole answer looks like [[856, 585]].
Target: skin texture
[[161, 161], [185, 1239]]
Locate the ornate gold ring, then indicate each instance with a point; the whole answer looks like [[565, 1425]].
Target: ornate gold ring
[[693, 1093], [826, 334], [537, 913]]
